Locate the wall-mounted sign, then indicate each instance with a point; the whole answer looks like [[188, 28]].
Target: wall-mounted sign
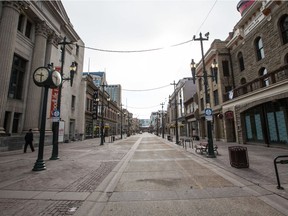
[[229, 115]]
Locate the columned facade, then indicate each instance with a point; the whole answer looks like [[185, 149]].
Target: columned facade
[[8, 34], [34, 93], [30, 40]]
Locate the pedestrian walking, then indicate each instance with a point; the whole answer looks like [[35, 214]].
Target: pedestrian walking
[[29, 141]]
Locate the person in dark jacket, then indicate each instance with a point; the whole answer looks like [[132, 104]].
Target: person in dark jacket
[[29, 141]]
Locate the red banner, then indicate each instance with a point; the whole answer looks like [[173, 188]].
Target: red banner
[[54, 96]]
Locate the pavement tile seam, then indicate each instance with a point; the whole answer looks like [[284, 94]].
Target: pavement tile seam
[[277, 202], [115, 179]]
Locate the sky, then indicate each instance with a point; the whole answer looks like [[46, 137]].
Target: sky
[[145, 25]]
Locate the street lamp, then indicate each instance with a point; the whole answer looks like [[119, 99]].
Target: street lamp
[[162, 104], [208, 110], [102, 115], [55, 125], [121, 125], [176, 112]]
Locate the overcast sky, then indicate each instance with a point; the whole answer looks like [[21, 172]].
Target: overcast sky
[[134, 25]]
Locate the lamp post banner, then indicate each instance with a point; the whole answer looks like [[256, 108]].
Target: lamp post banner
[[54, 97]]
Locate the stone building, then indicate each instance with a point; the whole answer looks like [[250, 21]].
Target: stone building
[[219, 81], [30, 33], [258, 103]]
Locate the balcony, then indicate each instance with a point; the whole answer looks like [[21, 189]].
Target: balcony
[[260, 82]]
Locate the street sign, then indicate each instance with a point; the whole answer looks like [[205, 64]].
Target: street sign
[[208, 114], [56, 113]]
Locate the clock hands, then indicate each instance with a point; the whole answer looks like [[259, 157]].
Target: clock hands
[[41, 75]]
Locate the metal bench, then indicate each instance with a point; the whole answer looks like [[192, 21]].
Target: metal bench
[[203, 148]]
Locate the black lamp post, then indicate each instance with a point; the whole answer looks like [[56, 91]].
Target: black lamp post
[[55, 125], [176, 113], [121, 125], [208, 110], [163, 131], [157, 124], [102, 116]]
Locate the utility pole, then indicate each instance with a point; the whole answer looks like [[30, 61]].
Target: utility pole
[[211, 153]]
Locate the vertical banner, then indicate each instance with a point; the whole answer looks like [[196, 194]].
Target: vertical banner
[[54, 99], [54, 96]]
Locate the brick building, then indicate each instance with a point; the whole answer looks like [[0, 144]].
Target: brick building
[[257, 109]]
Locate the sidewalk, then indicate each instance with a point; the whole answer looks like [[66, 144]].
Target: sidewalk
[[261, 169], [140, 175]]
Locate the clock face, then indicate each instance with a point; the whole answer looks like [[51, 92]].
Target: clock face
[[56, 79], [40, 76]]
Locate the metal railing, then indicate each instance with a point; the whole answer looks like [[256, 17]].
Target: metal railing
[[276, 168], [270, 78]]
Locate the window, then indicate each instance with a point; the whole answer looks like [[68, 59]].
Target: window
[[214, 73], [265, 81], [20, 23], [15, 124], [28, 29], [225, 67], [228, 92], [259, 48], [17, 77], [77, 50], [73, 102], [241, 61], [202, 103], [24, 26], [284, 28], [200, 84], [216, 98]]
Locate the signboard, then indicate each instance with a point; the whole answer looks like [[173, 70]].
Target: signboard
[[61, 131], [229, 115], [55, 116], [208, 114]]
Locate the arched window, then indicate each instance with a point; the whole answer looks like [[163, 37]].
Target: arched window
[[265, 81], [284, 28], [241, 61], [259, 48]]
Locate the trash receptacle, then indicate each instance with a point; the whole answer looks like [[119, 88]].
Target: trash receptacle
[[238, 156], [113, 138]]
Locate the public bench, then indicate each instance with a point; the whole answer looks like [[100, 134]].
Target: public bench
[[203, 148]]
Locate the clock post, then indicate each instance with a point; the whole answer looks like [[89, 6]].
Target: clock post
[[44, 77], [40, 164]]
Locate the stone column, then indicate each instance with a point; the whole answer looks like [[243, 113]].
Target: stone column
[[34, 95], [8, 34]]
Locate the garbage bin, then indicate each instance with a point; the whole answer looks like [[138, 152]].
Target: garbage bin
[[238, 156]]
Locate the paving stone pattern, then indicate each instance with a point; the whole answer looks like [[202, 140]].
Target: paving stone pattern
[[91, 181]]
